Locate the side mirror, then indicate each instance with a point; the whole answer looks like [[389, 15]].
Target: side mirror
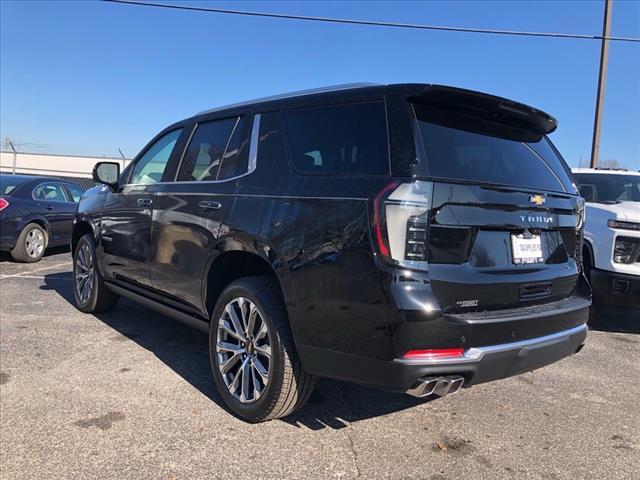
[[107, 173]]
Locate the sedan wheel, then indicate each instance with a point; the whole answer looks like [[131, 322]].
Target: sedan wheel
[[244, 350], [34, 243]]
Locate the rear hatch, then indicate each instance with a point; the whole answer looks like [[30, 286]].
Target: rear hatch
[[490, 211]]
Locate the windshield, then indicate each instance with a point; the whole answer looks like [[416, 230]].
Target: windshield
[[475, 149], [608, 188], [8, 183]]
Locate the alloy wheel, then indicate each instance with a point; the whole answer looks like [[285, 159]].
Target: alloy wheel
[[84, 273], [243, 350], [34, 243]]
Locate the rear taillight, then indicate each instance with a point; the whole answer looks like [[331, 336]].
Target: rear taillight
[[400, 223], [3, 204], [434, 353]]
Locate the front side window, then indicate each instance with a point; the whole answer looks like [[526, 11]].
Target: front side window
[[76, 192], [469, 148], [52, 192], [206, 150], [150, 167], [339, 139]]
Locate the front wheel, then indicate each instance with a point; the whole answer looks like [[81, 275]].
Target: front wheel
[[253, 357], [90, 292]]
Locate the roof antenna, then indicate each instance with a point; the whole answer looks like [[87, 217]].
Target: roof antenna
[[121, 154]]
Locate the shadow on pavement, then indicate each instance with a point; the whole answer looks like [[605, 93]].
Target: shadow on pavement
[[333, 404]]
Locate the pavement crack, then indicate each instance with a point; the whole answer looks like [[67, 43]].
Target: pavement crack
[[354, 454]]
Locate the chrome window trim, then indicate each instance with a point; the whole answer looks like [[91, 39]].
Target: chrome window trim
[[253, 145], [475, 354], [252, 164]]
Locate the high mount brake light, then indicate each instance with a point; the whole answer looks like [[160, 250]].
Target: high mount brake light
[[400, 222], [434, 353], [3, 204]]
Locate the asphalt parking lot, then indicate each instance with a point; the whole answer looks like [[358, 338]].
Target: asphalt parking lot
[[128, 394]]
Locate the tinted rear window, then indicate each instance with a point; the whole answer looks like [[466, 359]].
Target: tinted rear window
[[476, 150], [8, 183], [339, 139]]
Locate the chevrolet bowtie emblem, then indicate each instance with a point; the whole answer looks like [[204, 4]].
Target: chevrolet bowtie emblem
[[537, 199]]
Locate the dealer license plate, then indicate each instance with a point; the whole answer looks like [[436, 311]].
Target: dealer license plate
[[526, 249]]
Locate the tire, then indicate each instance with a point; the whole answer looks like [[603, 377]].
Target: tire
[[89, 290], [31, 244], [287, 386]]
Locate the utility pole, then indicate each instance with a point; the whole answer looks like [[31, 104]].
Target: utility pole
[[602, 79]]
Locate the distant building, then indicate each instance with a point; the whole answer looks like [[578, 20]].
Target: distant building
[[69, 167]]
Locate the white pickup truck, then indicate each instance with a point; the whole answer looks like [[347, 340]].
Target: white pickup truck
[[612, 234]]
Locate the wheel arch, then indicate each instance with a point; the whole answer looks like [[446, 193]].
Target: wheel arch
[[237, 258], [38, 220], [81, 226]]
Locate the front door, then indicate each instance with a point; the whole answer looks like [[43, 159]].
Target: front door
[[126, 223], [189, 216]]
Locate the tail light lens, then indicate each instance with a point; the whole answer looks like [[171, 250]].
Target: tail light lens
[[3, 204], [435, 353], [400, 223]]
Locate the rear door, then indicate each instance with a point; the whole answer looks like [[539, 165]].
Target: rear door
[[500, 220], [188, 218], [54, 203], [126, 221]]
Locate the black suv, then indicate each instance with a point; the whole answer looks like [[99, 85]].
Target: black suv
[[417, 238]]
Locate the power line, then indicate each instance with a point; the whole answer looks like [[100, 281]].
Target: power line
[[373, 23]]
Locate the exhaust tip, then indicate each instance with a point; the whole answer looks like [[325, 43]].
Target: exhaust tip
[[440, 386]]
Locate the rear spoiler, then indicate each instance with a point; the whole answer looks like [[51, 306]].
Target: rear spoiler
[[496, 109]]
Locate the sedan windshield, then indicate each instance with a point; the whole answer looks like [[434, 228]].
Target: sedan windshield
[[609, 188]]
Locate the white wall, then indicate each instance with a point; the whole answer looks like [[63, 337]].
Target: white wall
[[45, 164]]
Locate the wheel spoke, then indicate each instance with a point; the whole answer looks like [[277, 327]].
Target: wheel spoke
[[228, 329], [259, 368], [237, 325], [244, 396], [229, 347], [263, 332], [251, 324], [257, 387], [229, 363], [235, 383]]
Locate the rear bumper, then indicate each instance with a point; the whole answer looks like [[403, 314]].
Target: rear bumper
[[494, 362], [480, 363], [617, 289]]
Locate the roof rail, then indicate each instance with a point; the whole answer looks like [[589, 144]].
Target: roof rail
[[299, 93]]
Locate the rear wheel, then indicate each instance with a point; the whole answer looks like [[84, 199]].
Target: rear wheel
[[253, 358], [31, 244], [90, 292]]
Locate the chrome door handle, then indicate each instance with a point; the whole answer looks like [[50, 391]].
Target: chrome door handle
[[209, 205], [144, 202]]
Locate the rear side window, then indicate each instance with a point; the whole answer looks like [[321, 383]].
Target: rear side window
[[339, 139], [477, 150], [8, 183], [52, 192], [214, 152]]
